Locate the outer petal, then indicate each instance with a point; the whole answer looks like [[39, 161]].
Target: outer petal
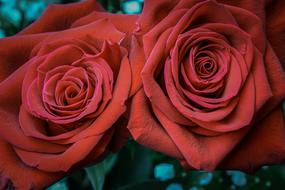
[[10, 46], [256, 7], [137, 61], [124, 23], [153, 12], [201, 152], [102, 29], [10, 100], [63, 161], [145, 129], [271, 12], [264, 145], [276, 77], [151, 87], [61, 17], [12, 171], [275, 27]]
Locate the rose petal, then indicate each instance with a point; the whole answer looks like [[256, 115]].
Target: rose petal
[[59, 162], [275, 22], [153, 12], [200, 11], [60, 17], [12, 169], [58, 58], [146, 131], [11, 128], [34, 127], [86, 44], [9, 106], [269, 135], [239, 117], [200, 152], [9, 47], [102, 29], [151, 37], [137, 61], [115, 107], [124, 23], [256, 7], [276, 79], [251, 24], [152, 89]]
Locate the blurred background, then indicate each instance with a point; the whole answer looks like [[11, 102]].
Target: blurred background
[[135, 167]]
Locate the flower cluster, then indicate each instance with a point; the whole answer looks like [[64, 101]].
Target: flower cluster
[[200, 81]]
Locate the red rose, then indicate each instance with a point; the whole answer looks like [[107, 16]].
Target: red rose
[[64, 83], [212, 83]]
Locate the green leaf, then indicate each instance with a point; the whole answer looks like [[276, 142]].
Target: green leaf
[[61, 185], [96, 174], [134, 164]]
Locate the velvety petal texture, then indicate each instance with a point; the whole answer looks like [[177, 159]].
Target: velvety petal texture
[[212, 83], [64, 83]]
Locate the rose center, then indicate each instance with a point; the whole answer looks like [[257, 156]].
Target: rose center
[[71, 92], [205, 66]]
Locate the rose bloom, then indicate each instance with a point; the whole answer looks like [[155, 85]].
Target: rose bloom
[[213, 82], [64, 83]]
